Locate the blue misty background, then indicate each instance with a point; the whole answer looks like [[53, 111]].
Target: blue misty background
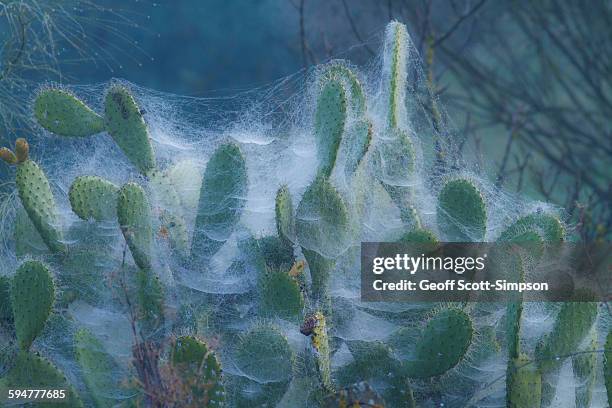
[[194, 47]]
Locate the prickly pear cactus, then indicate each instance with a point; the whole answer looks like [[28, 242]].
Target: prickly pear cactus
[[200, 370], [330, 118], [322, 229], [238, 231], [32, 297], [64, 114], [134, 215], [462, 211], [93, 197], [33, 372], [523, 384], [443, 343], [101, 373], [221, 201], [35, 194], [123, 121]]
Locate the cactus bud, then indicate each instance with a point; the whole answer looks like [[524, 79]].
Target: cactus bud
[[8, 156], [22, 150]]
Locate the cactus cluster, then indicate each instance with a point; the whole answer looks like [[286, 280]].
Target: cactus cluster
[[287, 337]]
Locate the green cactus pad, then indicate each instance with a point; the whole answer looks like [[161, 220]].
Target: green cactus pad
[[222, 198], [320, 272], [134, 215], [83, 274], [173, 225], [272, 252], [6, 309], [125, 124], [264, 354], [322, 220], [585, 373], [371, 360], [199, 366], [394, 164], [62, 113], [442, 344], [608, 366], [33, 372], [37, 199], [420, 240], [330, 117], [93, 197], [281, 295], [546, 226], [572, 325], [175, 230], [514, 311], [523, 384], [150, 303], [32, 297], [340, 70], [396, 58], [285, 220], [462, 214], [355, 144], [27, 239], [102, 375]]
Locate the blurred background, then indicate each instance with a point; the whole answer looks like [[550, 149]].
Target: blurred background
[[527, 84]]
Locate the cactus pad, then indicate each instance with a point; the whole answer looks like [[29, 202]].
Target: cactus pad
[[330, 117], [101, 373], [263, 353], [523, 384], [125, 124], [285, 220], [93, 197], [37, 199], [62, 113], [394, 165], [150, 303], [322, 220], [27, 239], [462, 213], [340, 70], [6, 309], [33, 372], [585, 371], [442, 344], [355, 144], [281, 295], [546, 226], [396, 59], [222, 198], [32, 297], [572, 325], [134, 215], [199, 367]]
